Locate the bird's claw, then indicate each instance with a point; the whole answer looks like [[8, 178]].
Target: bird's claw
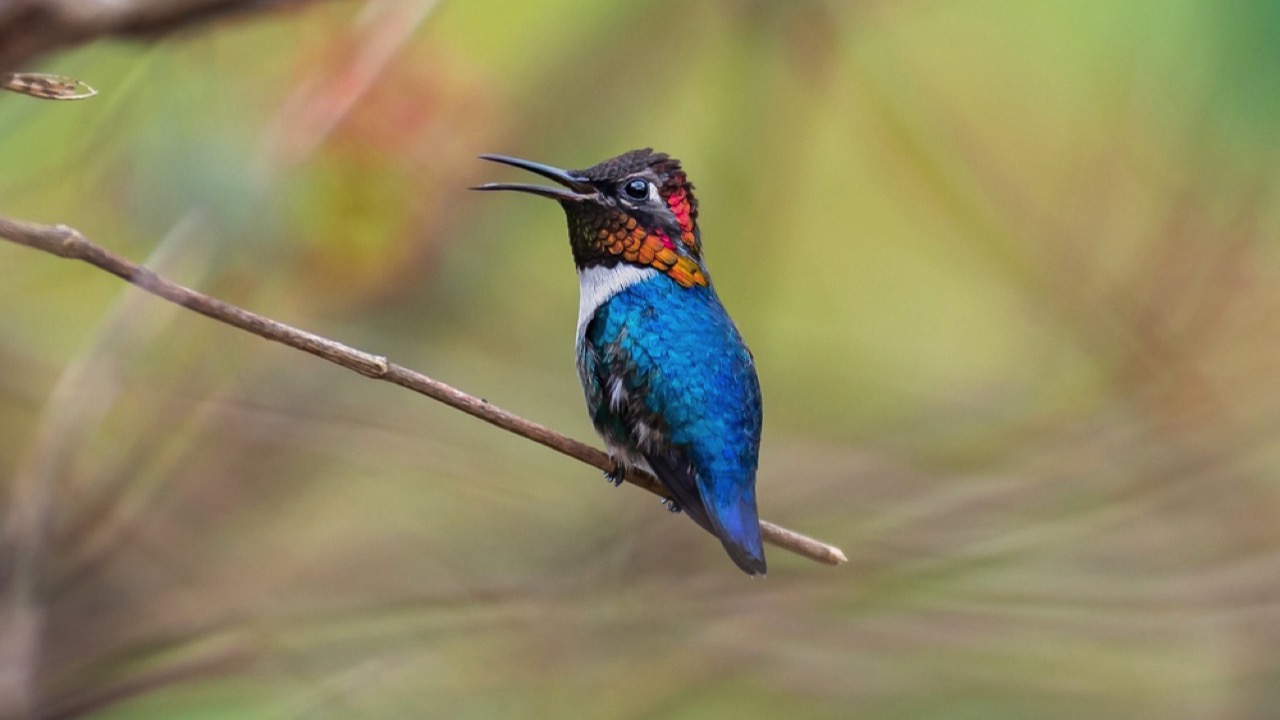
[[617, 474], [672, 505]]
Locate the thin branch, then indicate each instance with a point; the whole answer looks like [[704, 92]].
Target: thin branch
[[69, 243], [30, 28], [46, 87]]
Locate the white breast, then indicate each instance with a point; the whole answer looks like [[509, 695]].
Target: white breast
[[597, 284]]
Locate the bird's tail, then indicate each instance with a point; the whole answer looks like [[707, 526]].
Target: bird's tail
[[724, 509], [736, 522]]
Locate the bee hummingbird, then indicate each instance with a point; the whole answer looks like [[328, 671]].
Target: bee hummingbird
[[670, 386]]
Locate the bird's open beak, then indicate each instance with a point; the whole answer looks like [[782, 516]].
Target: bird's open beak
[[578, 189]]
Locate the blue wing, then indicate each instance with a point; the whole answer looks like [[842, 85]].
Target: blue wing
[[669, 380]]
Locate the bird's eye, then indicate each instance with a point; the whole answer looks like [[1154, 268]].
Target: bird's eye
[[636, 189]]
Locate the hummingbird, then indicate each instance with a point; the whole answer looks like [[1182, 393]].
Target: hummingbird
[[670, 385]]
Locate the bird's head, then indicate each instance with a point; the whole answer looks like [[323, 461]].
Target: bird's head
[[637, 208]]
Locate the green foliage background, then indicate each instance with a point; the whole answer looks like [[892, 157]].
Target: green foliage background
[[1009, 271]]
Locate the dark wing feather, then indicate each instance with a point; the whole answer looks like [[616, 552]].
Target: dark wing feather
[[678, 476]]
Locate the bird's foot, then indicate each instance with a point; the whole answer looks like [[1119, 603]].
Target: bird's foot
[[672, 505], [617, 474]]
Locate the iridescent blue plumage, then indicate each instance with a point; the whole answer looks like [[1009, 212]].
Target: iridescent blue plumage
[[670, 385]]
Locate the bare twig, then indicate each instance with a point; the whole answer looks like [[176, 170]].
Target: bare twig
[[69, 243], [29, 28], [45, 86]]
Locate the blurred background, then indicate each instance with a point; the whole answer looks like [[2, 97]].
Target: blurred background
[[1009, 271]]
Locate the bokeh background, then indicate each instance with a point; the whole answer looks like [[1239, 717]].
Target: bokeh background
[[1009, 270]]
